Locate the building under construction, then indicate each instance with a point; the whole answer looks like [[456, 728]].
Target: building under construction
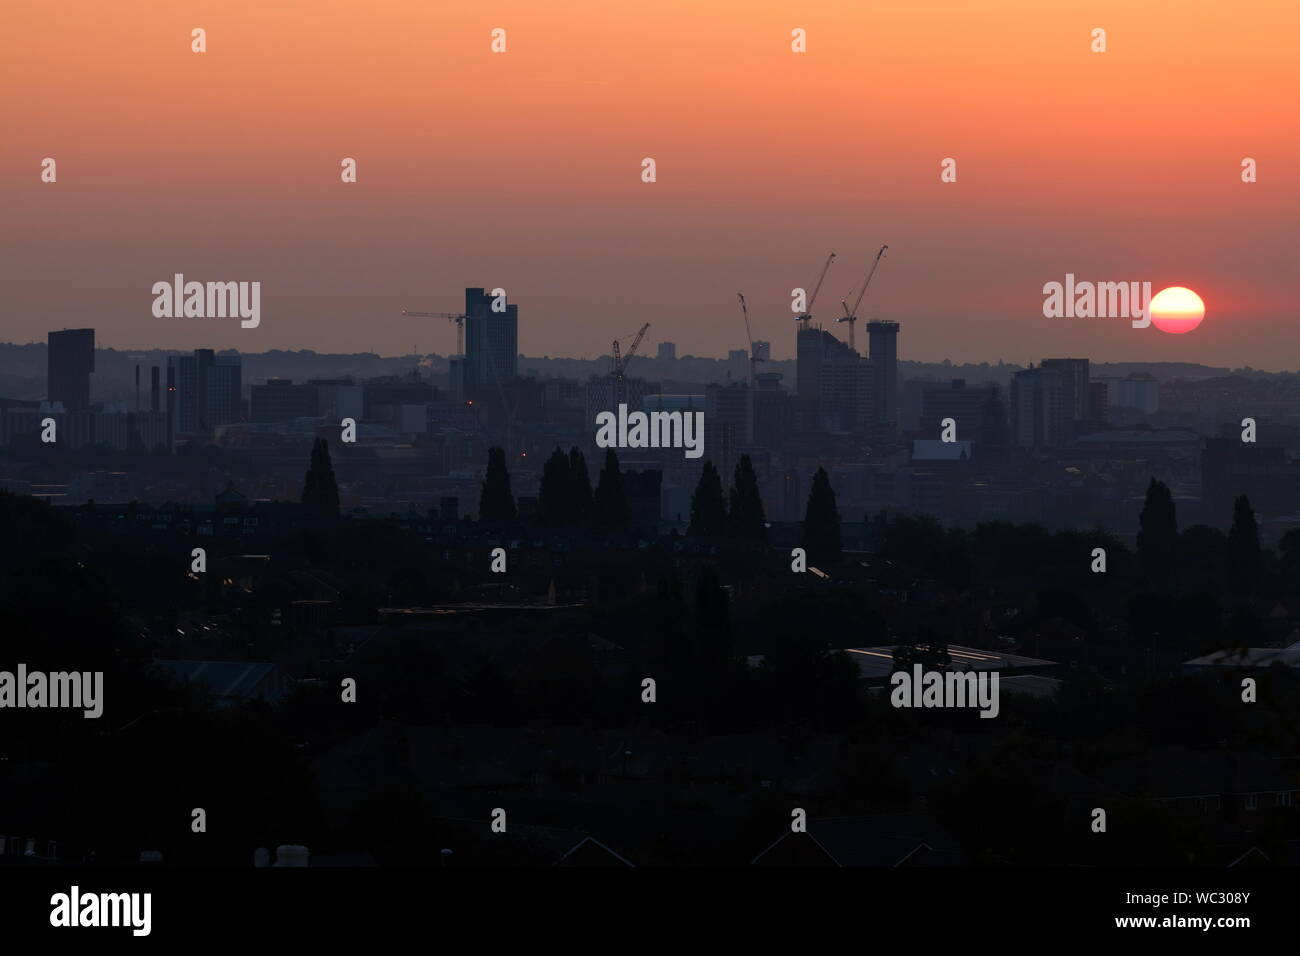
[[491, 345], [835, 383]]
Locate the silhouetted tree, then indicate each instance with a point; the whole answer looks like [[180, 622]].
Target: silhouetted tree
[[670, 624], [926, 649], [911, 539], [1289, 547], [708, 510], [1157, 539], [747, 519], [555, 494], [936, 652], [904, 656], [609, 506], [1244, 556], [33, 529], [580, 486], [712, 623], [496, 505], [1203, 557], [821, 523], [320, 491], [949, 561]]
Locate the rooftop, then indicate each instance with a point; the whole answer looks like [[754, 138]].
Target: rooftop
[[878, 662], [1253, 657]]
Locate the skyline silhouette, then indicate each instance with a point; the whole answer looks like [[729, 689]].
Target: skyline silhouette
[[522, 170]]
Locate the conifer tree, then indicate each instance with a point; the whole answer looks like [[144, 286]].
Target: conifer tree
[[554, 495], [821, 523], [712, 624], [747, 519], [1244, 555], [708, 509], [320, 490], [609, 506], [496, 506], [1157, 540], [580, 487]]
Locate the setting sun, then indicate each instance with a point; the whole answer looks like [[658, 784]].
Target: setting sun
[[1177, 309]]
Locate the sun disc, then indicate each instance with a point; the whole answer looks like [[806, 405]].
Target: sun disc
[[1176, 309]]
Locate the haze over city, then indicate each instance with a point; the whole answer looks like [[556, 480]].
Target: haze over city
[[523, 172], [705, 437]]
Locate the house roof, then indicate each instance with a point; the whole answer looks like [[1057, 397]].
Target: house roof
[[229, 493], [472, 842], [228, 679], [1262, 657], [878, 662], [882, 840], [932, 449]]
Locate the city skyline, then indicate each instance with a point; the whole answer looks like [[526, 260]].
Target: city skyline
[[1068, 161], [699, 437]]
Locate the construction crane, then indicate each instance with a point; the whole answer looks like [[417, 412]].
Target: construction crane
[[451, 316], [851, 315], [753, 358], [620, 365], [806, 315]]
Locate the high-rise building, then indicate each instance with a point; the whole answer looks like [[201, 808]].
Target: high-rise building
[[601, 396], [1074, 392], [1231, 467], [170, 409], [456, 378], [993, 419], [774, 415], [382, 394], [834, 385], [728, 425], [882, 338], [1139, 390], [491, 344], [70, 360], [963, 404], [223, 391], [182, 394], [279, 400], [738, 364], [1038, 408], [667, 351], [204, 391], [1098, 404]]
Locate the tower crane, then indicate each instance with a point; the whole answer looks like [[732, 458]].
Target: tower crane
[[806, 315], [753, 359], [620, 364], [851, 315], [451, 316]]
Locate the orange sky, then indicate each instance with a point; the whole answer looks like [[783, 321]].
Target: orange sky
[[522, 169]]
